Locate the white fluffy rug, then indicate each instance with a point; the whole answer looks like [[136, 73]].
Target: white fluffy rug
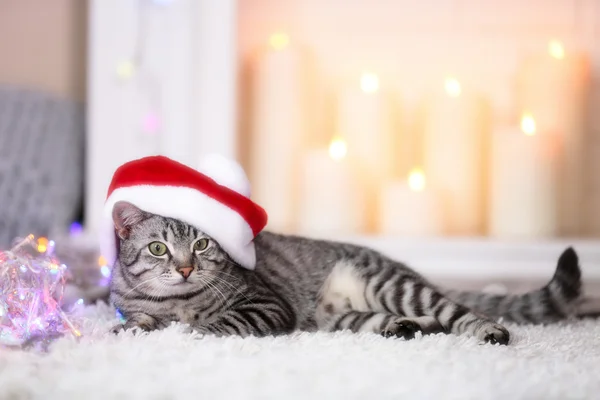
[[553, 362]]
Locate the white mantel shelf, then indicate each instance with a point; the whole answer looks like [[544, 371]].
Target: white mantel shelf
[[483, 258]]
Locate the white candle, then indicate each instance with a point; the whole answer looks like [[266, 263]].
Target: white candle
[[331, 201], [454, 148], [524, 182], [407, 208], [364, 121], [554, 89], [278, 121]]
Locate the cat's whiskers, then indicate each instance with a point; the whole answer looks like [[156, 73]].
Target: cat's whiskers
[[230, 285], [162, 288], [232, 263], [216, 271], [140, 284], [226, 302], [214, 289]]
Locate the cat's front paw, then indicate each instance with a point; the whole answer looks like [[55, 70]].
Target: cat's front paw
[[494, 334], [140, 322], [117, 328], [402, 328]]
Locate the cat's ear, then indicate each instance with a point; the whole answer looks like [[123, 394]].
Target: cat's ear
[[125, 216]]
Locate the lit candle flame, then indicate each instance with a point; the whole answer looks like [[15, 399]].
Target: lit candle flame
[[528, 125], [452, 86], [337, 149], [369, 82], [416, 180], [556, 49], [279, 41], [102, 261]]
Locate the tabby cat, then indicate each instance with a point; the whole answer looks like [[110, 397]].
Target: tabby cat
[[170, 271]]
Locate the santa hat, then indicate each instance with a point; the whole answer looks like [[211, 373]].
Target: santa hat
[[214, 199]]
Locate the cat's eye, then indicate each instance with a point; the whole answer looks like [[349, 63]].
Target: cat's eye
[[201, 245], [157, 248]]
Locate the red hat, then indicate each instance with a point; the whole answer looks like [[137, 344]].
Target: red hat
[[215, 199]]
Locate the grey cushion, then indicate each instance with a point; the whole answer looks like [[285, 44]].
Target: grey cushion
[[41, 163]]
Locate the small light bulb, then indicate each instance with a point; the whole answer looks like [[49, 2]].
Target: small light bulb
[[151, 123], [528, 125], [42, 244], [369, 82], [452, 86], [338, 149], [125, 69], [416, 180], [75, 229], [105, 271]]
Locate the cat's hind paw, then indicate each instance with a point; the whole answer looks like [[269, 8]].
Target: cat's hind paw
[[494, 334], [402, 328]]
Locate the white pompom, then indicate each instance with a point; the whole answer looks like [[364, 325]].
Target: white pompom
[[226, 172]]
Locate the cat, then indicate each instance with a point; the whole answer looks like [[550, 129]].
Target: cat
[[169, 271]]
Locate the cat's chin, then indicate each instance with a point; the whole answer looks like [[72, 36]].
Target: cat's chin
[[179, 284]]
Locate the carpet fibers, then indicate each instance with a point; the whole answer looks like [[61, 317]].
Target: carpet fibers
[[554, 362]]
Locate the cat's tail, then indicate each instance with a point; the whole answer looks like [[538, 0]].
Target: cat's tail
[[560, 299]]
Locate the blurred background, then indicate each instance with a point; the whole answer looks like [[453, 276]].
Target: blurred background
[[452, 126]]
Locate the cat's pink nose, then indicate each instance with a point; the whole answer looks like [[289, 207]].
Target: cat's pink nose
[[185, 271]]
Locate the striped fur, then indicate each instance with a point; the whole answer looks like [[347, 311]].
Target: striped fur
[[556, 301], [304, 284]]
